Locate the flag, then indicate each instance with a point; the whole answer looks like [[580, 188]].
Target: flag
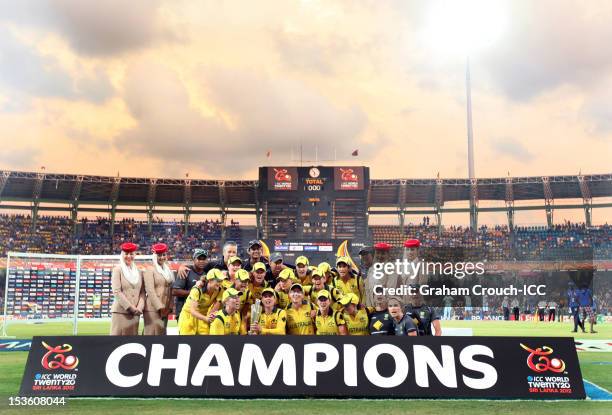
[[343, 251], [355, 153], [265, 250]]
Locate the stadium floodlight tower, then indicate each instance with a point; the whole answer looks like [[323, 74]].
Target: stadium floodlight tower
[[465, 27]]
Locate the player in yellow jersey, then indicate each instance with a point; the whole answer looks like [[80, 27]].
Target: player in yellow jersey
[[201, 305], [355, 315], [227, 321], [241, 283], [300, 313], [258, 281], [318, 284], [233, 265], [346, 281], [327, 272], [327, 321], [273, 320], [285, 279], [302, 271]]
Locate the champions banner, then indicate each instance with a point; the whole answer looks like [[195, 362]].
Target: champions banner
[[304, 366]]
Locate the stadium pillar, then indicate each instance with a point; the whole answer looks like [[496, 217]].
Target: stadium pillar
[[150, 218], [474, 204], [223, 228], [549, 215], [34, 216], [187, 216], [402, 219], [587, 214], [74, 212], [586, 199], [439, 221], [258, 222], [510, 213], [113, 214]]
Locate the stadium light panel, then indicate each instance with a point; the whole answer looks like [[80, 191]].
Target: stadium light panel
[[464, 26]]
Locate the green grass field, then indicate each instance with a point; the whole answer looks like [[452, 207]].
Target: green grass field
[[595, 368], [480, 328]]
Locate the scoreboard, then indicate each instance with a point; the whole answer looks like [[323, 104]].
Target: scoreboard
[[314, 204]]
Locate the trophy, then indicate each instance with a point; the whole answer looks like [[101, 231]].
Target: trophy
[[255, 313]]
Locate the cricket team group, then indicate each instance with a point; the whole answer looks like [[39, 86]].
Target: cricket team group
[[262, 295]]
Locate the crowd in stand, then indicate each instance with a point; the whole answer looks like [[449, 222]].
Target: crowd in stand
[[497, 243], [58, 235]]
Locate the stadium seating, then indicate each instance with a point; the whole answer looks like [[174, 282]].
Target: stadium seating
[[57, 235]]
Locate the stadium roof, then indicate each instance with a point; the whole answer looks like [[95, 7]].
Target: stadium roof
[[74, 189]]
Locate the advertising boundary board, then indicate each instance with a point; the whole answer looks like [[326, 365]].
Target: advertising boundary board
[[304, 366]]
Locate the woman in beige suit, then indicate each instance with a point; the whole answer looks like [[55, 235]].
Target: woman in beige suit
[[128, 289], [158, 286]]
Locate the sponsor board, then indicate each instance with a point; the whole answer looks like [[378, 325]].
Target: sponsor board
[[348, 178], [282, 178], [304, 366], [15, 345]]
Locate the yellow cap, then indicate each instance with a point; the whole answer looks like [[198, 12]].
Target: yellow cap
[[215, 274], [317, 273], [349, 298], [323, 293], [230, 292], [324, 267], [286, 274], [302, 260], [243, 275], [297, 285], [258, 266], [234, 259], [268, 290], [342, 259]]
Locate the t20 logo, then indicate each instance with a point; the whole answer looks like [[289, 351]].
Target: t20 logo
[[56, 358], [543, 362]]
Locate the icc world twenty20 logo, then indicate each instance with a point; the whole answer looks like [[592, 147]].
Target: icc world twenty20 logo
[[538, 360], [56, 357]]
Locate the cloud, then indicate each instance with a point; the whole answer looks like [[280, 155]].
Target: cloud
[[549, 44], [98, 28], [24, 71], [511, 147], [264, 113], [596, 110], [23, 158]]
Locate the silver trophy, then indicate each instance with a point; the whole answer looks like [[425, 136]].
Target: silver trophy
[[255, 313]]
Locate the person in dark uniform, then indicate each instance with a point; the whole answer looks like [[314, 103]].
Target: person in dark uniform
[[230, 249], [403, 325], [424, 317], [254, 251], [366, 256], [182, 286], [574, 306], [381, 321]]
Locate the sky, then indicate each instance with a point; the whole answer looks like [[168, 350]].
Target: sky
[[168, 88]]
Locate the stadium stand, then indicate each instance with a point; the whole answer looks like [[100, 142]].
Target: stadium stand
[[56, 235], [567, 241]]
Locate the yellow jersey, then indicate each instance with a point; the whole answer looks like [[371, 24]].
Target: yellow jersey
[[311, 292], [353, 285], [328, 325], [283, 299], [274, 323], [299, 321], [227, 324], [256, 291], [306, 279], [189, 324], [357, 325]]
